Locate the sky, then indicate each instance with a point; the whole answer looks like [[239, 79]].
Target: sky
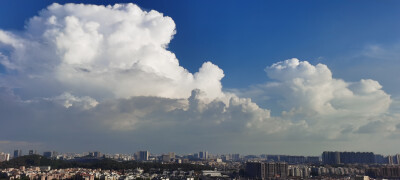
[[273, 77]]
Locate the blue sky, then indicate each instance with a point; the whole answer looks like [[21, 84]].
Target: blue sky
[[340, 92]]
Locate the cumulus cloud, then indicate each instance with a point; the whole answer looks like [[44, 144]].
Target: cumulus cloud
[[116, 51], [322, 105], [88, 69], [90, 75], [313, 89]]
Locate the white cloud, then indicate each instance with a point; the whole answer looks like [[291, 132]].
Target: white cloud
[[107, 68], [116, 51], [68, 100], [104, 74], [312, 99], [313, 89]]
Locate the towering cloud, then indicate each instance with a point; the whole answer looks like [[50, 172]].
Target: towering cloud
[[103, 74], [313, 89], [327, 106], [103, 51]]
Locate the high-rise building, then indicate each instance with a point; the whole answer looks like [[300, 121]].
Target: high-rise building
[[17, 153], [357, 158], [348, 157], [295, 159], [4, 156], [329, 157], [91, 154], [389, 160], [269, 170], [166, 158], [226, 157], [384, 172], [171, 155], [203, 155], [32, 152], [235, 157], [281, 170], [396, 159], [144, 155], [276, 170], [255, 170], [136, 156], [48, 154], [380, 159], [97, 154]]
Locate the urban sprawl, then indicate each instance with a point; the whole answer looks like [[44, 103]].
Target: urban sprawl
[[330, 165]]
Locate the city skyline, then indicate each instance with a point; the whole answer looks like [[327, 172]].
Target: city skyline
[[281, 77], [331, 164], [327, 157], [202, 154]]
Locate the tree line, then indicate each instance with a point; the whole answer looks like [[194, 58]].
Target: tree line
[[106, 164]]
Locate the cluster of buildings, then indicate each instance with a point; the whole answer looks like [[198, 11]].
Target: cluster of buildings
[[335, 157], [288, 158], [48, 154], [45, 173], [329, 164], [384, 172], [332, 164], [330, 157], [321, 171], [390, 159], [281, 170], [145, 156], [266, 170]]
